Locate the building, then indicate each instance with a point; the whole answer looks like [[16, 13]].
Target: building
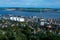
[[42, 21], [19, 19]]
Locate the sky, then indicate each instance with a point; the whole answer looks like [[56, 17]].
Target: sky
[[30, 3]]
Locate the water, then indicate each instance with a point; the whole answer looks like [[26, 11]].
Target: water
[[26, 14]]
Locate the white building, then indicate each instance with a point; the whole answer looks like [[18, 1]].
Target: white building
[[20, 19], [15, 18], [11, 18], [42, 22]]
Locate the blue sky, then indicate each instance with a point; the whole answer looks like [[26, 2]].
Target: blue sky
[[30, 3]]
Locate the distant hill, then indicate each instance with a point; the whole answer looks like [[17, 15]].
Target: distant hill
[[32, 9]]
